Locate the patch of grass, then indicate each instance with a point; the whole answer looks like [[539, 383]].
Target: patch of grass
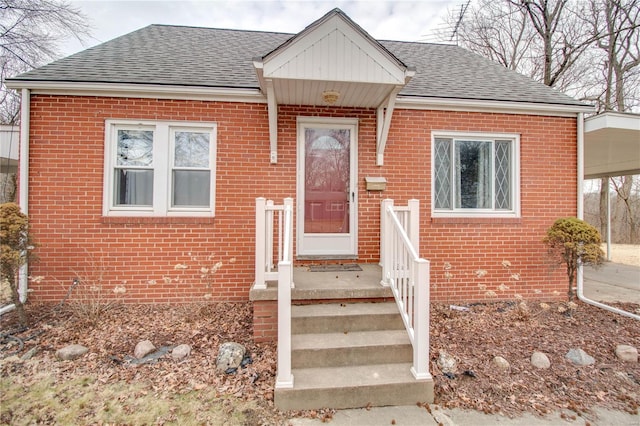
[[85, 401]]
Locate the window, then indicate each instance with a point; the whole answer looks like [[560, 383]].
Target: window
[[159, 168], [475, 175]]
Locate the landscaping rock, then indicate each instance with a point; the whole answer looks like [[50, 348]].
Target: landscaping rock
[[71, 352], [540, 360], [627, 353], [501, 363], [29, 354], [230, 355], [447, 363], [579, 357], [180, 352], [143, 349]]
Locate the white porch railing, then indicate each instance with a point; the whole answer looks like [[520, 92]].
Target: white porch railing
[[272, 221], [270, 229], [408, 276]]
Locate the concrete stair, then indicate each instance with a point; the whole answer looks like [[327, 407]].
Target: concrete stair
[[348, 355]]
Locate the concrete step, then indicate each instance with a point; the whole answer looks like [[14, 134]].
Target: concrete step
[[344, 317], [354, 348], [354, 386]]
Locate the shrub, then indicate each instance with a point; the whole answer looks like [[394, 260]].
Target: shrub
[[572, 242], [15, 250]]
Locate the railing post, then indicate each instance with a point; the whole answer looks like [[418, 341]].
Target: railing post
[[284, 379], [420, 368], [288, 203], [385, 241], [414, 224], [269, 216], [261, 244]]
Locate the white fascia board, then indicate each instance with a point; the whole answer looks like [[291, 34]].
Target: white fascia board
[[502, 107], [615, 120], [127, 90]]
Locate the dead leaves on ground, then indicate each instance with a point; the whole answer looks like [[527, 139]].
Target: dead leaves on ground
[[499, 329], [474, 337]]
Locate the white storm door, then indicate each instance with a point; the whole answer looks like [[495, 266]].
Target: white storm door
[[327, 198]]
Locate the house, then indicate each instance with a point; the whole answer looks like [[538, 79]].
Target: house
[[146, 161]]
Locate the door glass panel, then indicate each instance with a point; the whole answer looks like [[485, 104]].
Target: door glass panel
[[327, 155]]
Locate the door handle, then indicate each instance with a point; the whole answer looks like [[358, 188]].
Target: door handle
[[353, 196]]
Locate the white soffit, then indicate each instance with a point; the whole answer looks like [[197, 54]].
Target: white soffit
[[611, 145]]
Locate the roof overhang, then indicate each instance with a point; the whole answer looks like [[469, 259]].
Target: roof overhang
[[611, 145], [333, 62]]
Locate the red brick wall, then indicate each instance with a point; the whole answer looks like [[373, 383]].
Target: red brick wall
[[66, 184]]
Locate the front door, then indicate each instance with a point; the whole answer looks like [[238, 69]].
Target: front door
[[327, 187]]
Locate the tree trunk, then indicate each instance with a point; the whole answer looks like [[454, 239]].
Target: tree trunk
[[604, 193]]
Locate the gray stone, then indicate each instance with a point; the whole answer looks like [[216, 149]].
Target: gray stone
[[627, 353], [230, 355], [71, 352], [540, 360], [501, 363], [143, 349], [579, 357], [447, 363], [180, 352], [30, 354]]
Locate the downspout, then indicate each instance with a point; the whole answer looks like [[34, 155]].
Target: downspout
[[580, 277], [23, 190]]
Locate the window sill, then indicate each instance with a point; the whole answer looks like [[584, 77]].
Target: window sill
[[151, 220], [477, 220]]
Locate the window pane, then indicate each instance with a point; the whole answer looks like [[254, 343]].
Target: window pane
[[473, 174], [135, 147], [191, 149], [326, 191], [191, 188], [442, 159], [503, 175], [133, 187]]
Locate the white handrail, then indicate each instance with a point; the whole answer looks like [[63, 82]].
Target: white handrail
[[284, 378], [408, 276]]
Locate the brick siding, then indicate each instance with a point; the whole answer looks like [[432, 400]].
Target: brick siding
[[164, 260]]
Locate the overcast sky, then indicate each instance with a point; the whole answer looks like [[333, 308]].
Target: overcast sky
[[384, 20]]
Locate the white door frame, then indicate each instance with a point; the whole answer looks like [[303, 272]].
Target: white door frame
[[327, 245]]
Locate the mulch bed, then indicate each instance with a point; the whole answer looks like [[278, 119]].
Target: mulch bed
[[512, 330]]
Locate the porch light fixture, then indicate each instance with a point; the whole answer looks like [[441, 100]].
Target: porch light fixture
[[330, 96]]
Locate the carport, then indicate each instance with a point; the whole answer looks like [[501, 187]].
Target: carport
[[611, 148]]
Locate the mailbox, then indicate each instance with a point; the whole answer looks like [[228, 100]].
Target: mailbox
[[375, 183]]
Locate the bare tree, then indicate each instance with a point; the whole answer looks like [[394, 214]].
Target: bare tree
[[498, 31], [30, 31], [616, 24]]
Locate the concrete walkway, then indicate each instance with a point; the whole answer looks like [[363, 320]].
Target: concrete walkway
[[414, 415], [612, 282]]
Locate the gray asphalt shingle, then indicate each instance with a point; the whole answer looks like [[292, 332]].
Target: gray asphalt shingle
[[208, 57]]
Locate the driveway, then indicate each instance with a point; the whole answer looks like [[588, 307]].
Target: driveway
[[612, 282]]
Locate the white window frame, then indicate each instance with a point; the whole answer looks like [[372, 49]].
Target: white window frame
[[163, 149], [514, 171]]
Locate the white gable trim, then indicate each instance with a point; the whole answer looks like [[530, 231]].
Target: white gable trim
[[334, 50]]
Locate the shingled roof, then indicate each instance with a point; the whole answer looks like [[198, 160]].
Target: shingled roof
[[222, 58]]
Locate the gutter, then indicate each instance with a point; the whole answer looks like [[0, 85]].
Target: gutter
[[23, 189], [580, 277]]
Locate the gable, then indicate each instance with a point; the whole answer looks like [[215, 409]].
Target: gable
[[334, 50], [332, 62]]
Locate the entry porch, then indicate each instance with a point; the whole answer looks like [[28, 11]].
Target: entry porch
[[349, 334]]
